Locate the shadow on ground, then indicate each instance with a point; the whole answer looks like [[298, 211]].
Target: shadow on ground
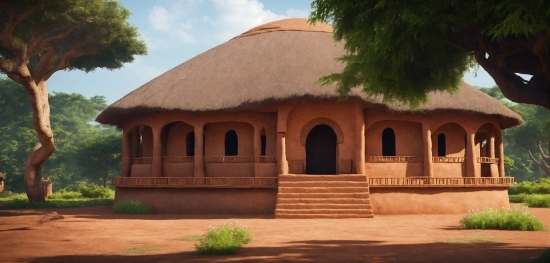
[[334, 251]]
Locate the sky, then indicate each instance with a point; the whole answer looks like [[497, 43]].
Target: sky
[[178, 30]]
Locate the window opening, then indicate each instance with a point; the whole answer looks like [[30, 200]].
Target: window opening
[[441, 145], [231, 143], [190, 144], [388, 142]]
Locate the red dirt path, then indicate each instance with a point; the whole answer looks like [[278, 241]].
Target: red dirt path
[[97, 235]]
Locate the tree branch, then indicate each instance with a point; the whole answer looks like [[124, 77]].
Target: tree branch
[[544, 156], [542, 164]]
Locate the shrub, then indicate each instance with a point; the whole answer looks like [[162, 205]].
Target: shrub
[[532, 200], [95, 191], [224, 239], [516, 218], [132, 207], [540, 186], [65, 195]]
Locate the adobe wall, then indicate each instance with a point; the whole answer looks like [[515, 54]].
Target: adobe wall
[[408, 138], [436, 200], [449, 169], [455, 138], [141, 170], [229, 169], [393, 169], [177, 169], [214, 138], [305, 111], [175, 140], [203, 200]]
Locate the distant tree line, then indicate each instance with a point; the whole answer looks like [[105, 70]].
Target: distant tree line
[[85, 151], [526, 147]]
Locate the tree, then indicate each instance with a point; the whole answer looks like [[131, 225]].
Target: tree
[[405, 49], [101, 154], [39, 38], [524, 144]]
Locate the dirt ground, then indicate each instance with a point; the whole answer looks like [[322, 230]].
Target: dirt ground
[[97, 235]]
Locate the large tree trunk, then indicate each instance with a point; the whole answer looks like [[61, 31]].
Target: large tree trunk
[[38, 95]]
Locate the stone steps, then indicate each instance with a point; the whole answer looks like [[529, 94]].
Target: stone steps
[[323, 196]]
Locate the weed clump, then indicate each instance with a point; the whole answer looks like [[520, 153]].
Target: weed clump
[[224, 239], [516, 218], [132, 207]]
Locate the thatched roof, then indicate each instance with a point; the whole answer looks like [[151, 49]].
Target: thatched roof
[[277, 61]]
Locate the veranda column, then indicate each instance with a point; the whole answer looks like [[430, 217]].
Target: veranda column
[[126, 155], [199, 148], [428, 163], [491, 144], [471, 159], [257, 148], [359, 139], [282, 117], [499, 148], [156, 166]]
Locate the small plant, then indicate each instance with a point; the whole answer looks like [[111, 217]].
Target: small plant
[[65, 195], [132, 207], [190, 238], [141, 249], [224, 239], [516, 218], [95, 191]]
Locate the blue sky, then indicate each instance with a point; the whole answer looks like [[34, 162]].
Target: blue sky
[[177, 30]]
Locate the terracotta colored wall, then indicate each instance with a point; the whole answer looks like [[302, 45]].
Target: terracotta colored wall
[[141, 170], [203, 200], [178, 169], [214, 141], [229, 169], [449, 169], [265, 169], [454, 138], [386, 201], [175, 139], [393, 169], [408, 138], [303, 112]]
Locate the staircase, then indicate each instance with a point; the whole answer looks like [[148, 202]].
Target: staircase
[[323, 196]]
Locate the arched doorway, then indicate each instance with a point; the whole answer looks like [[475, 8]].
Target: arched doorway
[[321, 150]]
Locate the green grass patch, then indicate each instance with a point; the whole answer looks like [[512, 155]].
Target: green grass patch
[[141, 249], [473, 240], [132, 207], [75, 203], [532, 200], [516, 218], [540, 186], [224, 239], [190, 238]]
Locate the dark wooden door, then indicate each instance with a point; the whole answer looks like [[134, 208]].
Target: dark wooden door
[[321, 150]]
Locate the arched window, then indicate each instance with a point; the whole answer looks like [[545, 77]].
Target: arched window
[[190, 144], [388, 142], [231, 143], [263, 142], [441, 145]]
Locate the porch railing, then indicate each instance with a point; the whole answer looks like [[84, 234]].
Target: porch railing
[[487, 160], [441, 182], [393, 159], [142, 160], [196, 182], [448, 159]]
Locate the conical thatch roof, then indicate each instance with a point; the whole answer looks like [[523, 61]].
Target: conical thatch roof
[[273, 62]]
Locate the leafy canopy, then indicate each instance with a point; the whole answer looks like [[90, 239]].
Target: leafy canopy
[[405, 49]]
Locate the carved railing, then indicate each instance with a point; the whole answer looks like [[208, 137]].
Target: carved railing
[[228, 159], [178, 159], [296, 166], [142, 160], [438, 159], [196, 182], [266, 159], [487, 160], [441, 182], [393, 159]]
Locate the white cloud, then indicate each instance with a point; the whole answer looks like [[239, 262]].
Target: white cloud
[[213, 22]]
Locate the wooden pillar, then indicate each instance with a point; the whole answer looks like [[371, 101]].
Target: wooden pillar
[[359, 139], [427, 158], [126, 165], [493, 168], [471, 158], [499, 148], [282, 166], [199, 151], [257, 148], [156, 166]]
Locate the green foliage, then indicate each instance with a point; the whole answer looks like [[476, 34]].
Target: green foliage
[[100, 153], [402, 50], [132, 207], [71, 120], [224, 239], [65, 195], [532, 200], [540, 186], [516, 218], [473, 240], [96, 191], [190, 238]]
